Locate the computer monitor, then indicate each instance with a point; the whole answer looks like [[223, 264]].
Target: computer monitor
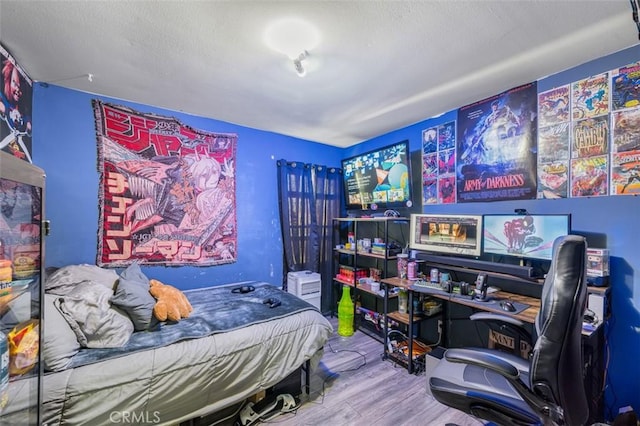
[[528, 236], [447, 234]]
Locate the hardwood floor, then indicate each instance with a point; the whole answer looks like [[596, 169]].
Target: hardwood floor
[[352, 385]]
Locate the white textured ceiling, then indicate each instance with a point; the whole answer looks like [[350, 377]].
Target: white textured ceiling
[[380, 66]]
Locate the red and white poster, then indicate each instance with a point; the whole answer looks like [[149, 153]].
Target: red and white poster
[[167, 191]]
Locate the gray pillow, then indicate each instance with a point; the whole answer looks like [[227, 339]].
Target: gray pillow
[[92, 318], [63, 280], [132, 296], [60, 342]]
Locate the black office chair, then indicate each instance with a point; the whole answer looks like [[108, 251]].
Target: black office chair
[[546, 389]]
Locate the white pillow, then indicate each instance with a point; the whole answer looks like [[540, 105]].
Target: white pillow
[[60, 342]]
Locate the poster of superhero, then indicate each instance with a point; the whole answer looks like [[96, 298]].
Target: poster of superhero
[[553, 106], [447, 190], [447, 136], [553, 178], [625, 173], [430, 140], [589, 176], [590, 137], [167, 191], [625, 87], [429, 178], [438, 163], [626, 130], [590, 97], [496, 147], [15, 108], [430, 191], [553, 143]]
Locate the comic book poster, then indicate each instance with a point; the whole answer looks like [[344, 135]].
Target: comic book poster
[[626, 130], [430, 165], [590, 137], [447, 161], [553, 106], [167, 191], [589, 176], [553, 143], [553, 179], [496, 147], [438, 161], [429, 178], [625, 87], [430, 191], [430, 140], [590, 97], [15, 108], [447, 136], [553, 161], [447, 190], [625, 173]]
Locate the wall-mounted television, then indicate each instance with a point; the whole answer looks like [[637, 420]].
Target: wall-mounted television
[[528, 236], [378, 179], [448, 234]]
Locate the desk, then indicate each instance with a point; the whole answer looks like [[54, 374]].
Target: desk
[[528, 315]]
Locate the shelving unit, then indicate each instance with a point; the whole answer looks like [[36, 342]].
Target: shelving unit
[[357, 261], [21, 291], [410, 321]]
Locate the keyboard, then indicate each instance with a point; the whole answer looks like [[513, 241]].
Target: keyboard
[[427, 284]]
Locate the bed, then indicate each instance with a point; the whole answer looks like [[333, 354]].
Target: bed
[[231, 347]]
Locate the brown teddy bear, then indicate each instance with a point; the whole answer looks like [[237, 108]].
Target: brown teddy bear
[[171, 303]]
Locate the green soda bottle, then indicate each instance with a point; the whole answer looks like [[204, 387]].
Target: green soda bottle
[[345, 313]]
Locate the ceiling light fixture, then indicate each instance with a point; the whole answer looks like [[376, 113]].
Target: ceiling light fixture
[[290, 36], [298, 63]]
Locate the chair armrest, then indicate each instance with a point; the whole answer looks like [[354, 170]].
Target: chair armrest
[[483, 359], [490, 316]]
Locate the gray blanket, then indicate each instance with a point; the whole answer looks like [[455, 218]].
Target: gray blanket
[[215, 310]]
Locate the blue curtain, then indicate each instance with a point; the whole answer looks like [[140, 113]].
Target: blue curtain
[[310, 198]]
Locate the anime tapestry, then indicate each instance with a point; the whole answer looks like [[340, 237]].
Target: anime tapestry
[[496, 147], [167, 191]]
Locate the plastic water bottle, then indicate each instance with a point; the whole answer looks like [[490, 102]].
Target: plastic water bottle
[[345, 313]]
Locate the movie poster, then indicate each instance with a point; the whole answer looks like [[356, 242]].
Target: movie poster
[[553, 106], [167, 191], [15, 108], [625, 173], [496, 147], [590, 137], [626, 130], [589, 176], [438, 163], [625, 87], [590, 97]]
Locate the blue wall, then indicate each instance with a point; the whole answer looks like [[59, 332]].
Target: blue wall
[[612, 222], [65, 147]]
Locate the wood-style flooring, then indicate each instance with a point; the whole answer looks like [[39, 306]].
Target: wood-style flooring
[[353, 386]]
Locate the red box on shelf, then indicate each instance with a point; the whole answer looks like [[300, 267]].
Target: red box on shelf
[[351, 274]]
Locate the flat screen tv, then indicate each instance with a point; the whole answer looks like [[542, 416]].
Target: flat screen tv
[[448, 234], [528, 236], [378, 179]]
